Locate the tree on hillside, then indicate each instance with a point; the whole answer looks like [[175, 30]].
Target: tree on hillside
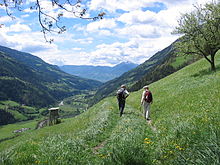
[[201, 32], [49, 16]]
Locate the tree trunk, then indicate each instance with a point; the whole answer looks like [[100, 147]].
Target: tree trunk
[[213, 63]]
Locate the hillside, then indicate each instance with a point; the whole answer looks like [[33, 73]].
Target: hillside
[[29, 80], [99, 73], [184, 128], [160, 65]]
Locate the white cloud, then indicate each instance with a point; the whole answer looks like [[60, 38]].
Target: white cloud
[[28, 10], [79, 27], [101, 24], [19, 28], [113, 5], [138, 16], [189, 3], [136, 50], [23, 39], [105, 33], [5, 19], [76, 49], [68, 57], [30, 1], [143, 31], [25, 16], [84, 40]]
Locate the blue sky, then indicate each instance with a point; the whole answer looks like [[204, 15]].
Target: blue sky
[[132, 30]]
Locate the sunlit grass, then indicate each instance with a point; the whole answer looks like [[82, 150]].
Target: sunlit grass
[[185, 128], [7, 130]]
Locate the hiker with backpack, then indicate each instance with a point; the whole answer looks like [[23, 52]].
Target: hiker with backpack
[[146, 100], [122, 94]]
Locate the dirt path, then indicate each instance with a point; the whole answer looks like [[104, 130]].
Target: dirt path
[[99, 146], [151, 125], [129, 110]]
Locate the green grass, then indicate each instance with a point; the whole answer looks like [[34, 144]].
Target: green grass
[[9, 103], [19, 112], [75, 105], [185, 128], [181, 59], [7, 130], [17, 115]]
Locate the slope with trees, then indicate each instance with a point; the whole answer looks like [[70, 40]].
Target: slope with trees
[[28, 80]]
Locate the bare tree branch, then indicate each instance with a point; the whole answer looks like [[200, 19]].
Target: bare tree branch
[[49, 23]]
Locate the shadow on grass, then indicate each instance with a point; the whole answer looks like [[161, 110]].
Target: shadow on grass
[[9, 138], [206, 72]]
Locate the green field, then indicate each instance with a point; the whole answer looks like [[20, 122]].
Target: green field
[[185, 128], [7, 130]]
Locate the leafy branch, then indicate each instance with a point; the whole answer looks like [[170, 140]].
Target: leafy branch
[[48, 22]]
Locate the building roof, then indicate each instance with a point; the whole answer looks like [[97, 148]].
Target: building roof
[[53, 109]]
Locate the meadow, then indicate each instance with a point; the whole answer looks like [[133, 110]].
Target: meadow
[[185, 128]]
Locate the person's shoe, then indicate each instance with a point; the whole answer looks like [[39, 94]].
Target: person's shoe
[[148, 119]]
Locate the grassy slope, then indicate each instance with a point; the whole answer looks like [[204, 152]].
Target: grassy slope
[[185, 115], [7, 130]]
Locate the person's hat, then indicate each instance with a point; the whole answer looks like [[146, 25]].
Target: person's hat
[[145, 87], [123, 86]]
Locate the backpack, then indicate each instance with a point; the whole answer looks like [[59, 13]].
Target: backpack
[[148, 97], [121, 94]]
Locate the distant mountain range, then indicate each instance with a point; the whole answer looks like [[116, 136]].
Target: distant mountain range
[[28, 80], [100, 73]]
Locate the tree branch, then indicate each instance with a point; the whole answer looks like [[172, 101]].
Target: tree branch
[[49, 23]]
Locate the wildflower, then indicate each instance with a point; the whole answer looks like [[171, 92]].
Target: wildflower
[[179, 148], [37, 162], [147, 142], [102, 156]]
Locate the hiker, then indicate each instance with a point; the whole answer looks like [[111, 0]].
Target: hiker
[[122, 94], [146, 100]]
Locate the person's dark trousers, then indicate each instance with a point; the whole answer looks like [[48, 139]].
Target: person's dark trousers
[[121, 104]]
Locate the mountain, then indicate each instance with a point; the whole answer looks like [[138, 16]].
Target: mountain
[[28, 80], [100, 73], [158, 66], [184, 128]]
